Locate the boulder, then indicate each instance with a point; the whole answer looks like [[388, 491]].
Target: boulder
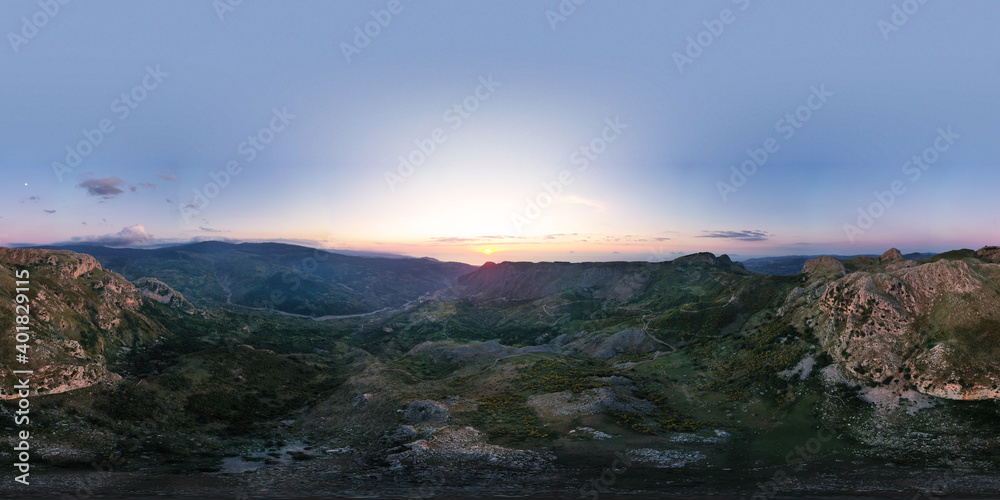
[[426, 412], [824, 267]]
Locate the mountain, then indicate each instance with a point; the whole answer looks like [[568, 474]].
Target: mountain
[[519, 377], [82, 318], [694, 293], [287, 278], [902, 327], [792, 264], [605, 280]]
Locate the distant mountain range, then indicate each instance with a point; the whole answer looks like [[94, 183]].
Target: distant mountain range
[[287, 278], [789, 265]]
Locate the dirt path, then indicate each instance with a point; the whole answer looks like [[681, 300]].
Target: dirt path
[[645, 329]]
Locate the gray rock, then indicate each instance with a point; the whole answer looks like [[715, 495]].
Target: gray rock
[[401, 435], [426, 412]]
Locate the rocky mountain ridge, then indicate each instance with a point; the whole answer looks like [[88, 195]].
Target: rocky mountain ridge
[[81, 315], [605, 280], [929, 326]]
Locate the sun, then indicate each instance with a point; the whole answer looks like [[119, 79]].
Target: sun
[[487, 250]]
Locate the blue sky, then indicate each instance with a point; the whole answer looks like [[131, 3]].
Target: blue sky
[[540, 130]]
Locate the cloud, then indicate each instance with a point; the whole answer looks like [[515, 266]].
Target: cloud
[[148, 185], [107, 186], [210, 230], [579, 200], [49, 211], [168, 176], [745, 235], [223, 239], [477, 239], [453, 239], [662, 239], [128, 236]]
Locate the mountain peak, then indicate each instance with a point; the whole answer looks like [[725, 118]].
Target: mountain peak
[[989, 253], [824, 266], [69, 263], [706, 257], [891, 255]]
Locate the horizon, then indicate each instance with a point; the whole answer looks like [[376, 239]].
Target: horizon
[[503, 131], [372, 254]]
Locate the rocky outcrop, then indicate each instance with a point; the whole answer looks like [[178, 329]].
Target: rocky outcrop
[[559, 405], [70, 264], [989, 254], [426, 412], [938, 374], [893, 260], [622, 343], [824, 267], [891, 255], [925, 326], [81, 315], [705, 257], [162, 293]]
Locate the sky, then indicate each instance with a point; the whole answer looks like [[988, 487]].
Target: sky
[[503, 130]]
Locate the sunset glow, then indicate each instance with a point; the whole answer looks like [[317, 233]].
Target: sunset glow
[[594, 149]]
